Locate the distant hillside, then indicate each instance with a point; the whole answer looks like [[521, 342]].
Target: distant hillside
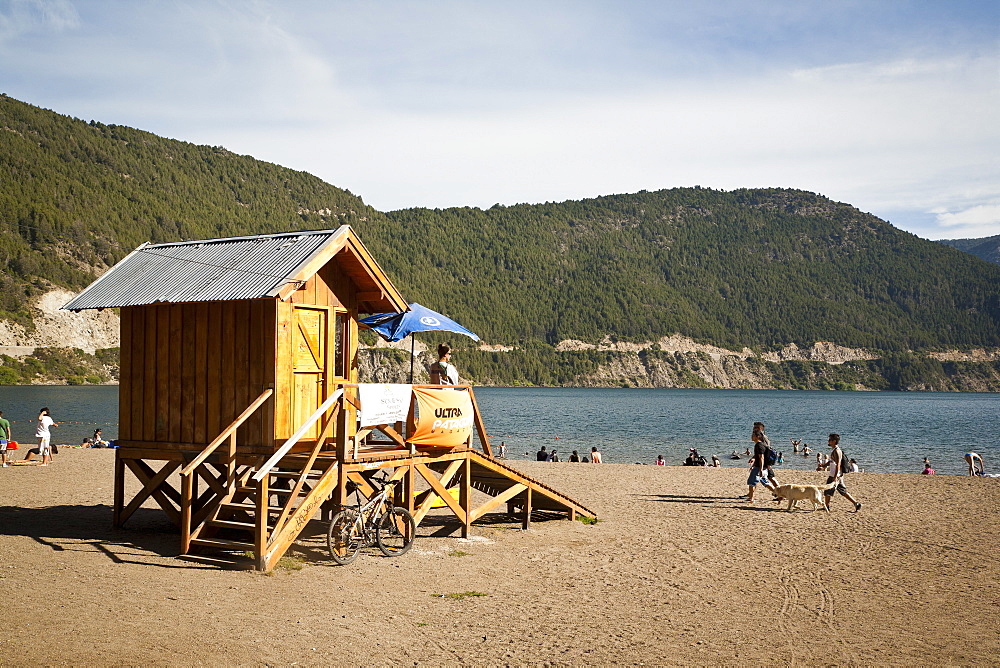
[[757, 268], [78, 196], [763, 270], [986, 248]]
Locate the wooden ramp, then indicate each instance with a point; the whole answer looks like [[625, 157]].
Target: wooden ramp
[[519, 491]]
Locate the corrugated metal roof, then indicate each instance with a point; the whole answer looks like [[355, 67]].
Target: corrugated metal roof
[[209, 270]]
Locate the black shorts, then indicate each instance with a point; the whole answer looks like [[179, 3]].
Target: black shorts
[[839, 488]]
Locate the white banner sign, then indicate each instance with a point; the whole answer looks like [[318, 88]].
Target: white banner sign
[[383, 403]]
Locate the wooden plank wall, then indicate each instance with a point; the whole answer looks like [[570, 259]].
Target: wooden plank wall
[[329, 287], [188, 370]]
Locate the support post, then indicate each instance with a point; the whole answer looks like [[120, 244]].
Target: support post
[[465, 495], [526, 522], [340, 493], [116, 516], [410, 483], [260, 530], [187, 496]]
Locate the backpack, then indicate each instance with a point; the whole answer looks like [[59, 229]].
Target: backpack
[[770, 456], [845, 463]]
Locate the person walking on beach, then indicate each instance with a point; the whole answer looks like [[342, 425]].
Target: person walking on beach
[[595, 456], [43, 435], [503, 450], [837, 469], [4, 438], [971, 458], [770, 454], [758, 465]]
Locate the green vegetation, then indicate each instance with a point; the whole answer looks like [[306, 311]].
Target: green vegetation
[[987, 248], [459, 596], [458, 553], [758, 268], [587, 520], [54, 365]]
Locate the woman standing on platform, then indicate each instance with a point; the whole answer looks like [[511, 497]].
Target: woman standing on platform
[[443, 372]]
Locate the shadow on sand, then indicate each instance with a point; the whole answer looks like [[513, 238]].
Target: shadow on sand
[[88, 528]]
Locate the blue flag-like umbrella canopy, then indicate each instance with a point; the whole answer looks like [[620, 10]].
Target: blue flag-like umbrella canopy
[[397, 326]]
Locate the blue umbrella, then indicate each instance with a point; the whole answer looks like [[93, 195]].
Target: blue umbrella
[[397, 326]]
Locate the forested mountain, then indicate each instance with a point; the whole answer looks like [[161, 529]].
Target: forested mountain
[[760, 268], [986, 248], [757, 268]]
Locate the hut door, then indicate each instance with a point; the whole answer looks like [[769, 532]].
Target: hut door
[[309, 357]]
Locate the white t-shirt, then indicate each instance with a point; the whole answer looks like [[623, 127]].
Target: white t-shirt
[[450, 372], [42, 430]]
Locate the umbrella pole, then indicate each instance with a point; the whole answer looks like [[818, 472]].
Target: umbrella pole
[[413, 346]]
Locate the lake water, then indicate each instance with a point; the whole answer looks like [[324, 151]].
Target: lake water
[[884, 431]]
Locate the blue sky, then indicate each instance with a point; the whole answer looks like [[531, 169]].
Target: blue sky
[[891, 106]]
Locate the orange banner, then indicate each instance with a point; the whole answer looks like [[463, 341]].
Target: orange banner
[[444, 418]]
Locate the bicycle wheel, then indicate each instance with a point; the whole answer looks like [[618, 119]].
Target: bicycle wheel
[[343, 538], [395, 532]]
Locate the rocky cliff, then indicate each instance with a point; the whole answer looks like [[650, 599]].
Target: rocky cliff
[[68, 347]]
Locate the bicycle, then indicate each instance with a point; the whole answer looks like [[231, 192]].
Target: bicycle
[[377, 522]]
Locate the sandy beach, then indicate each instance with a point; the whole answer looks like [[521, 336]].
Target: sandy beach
[[677, 572]]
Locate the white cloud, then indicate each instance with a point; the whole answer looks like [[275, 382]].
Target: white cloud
[[43, 16], [979, 221]]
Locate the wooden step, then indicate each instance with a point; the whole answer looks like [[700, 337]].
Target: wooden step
[[242, 564], [295, 474], [231, 524], [271, 490], [222, 544], [249, 506]]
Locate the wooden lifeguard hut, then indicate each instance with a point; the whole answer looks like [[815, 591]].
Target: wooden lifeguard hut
[[239, 371]]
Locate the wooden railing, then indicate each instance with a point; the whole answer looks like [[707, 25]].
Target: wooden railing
[[271, 542], [188, 472]]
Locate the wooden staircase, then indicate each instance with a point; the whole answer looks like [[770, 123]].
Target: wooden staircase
[[251, 514], [230, 535]]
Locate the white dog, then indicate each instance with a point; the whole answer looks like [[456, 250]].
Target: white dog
[[796, 493]]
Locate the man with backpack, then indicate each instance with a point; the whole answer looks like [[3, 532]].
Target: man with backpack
[[839, 467]]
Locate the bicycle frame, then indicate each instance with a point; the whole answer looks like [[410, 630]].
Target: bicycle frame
[[371, 512]]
